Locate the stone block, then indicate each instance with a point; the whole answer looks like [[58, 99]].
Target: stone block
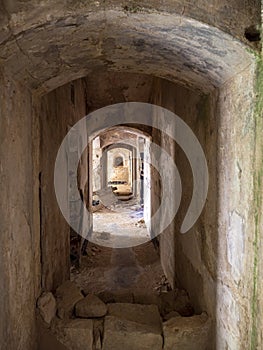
[[90, 307], [147, 315], [68, 294], [75, 334], [47, 306], [122, 334], [187, 333], [121, 296]]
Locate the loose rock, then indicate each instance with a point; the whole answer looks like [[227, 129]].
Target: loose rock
[[47, 306], [68, 294], [91, 306]]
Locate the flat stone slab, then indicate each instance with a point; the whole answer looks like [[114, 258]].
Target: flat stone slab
[[120, 334], [90, 307], [147, 315], [75, 334], [68, 294], [187, 333]]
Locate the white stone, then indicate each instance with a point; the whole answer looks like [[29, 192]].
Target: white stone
[[235, 243]]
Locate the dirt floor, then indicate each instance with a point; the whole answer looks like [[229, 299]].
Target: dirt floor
[[120, 225], [121, 256], [124, 275], [135, 269]]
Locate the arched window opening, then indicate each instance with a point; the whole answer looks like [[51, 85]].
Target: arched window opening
[[118, 161]]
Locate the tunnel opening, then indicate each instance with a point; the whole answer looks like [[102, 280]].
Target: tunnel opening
[[122, 263], [120, 187]]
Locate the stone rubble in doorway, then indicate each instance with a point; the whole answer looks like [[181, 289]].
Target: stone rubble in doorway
[[126, 320]]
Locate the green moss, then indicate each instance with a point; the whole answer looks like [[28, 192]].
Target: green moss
[[257, 184]]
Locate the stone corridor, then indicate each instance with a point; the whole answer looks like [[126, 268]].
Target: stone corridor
[[156, 105]]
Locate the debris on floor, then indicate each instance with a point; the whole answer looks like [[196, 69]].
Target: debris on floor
[[119, 298], [121, 223], [140, 223], [163, 285], [108, 322]]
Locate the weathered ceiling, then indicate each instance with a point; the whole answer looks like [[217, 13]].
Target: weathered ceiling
[[44, 53]]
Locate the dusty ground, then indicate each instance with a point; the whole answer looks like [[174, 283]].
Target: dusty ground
[[120, 226], [107, 269]]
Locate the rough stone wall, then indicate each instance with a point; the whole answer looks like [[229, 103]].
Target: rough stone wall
[[196, 250], [18, 241], [60, 110], [189, 260], [257, 297], [237, 244], [218, 260]]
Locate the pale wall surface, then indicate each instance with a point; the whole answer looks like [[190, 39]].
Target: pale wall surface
[[19, 251]]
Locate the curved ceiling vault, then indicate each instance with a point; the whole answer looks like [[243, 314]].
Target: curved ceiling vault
[[166, 45], [120, 135]]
